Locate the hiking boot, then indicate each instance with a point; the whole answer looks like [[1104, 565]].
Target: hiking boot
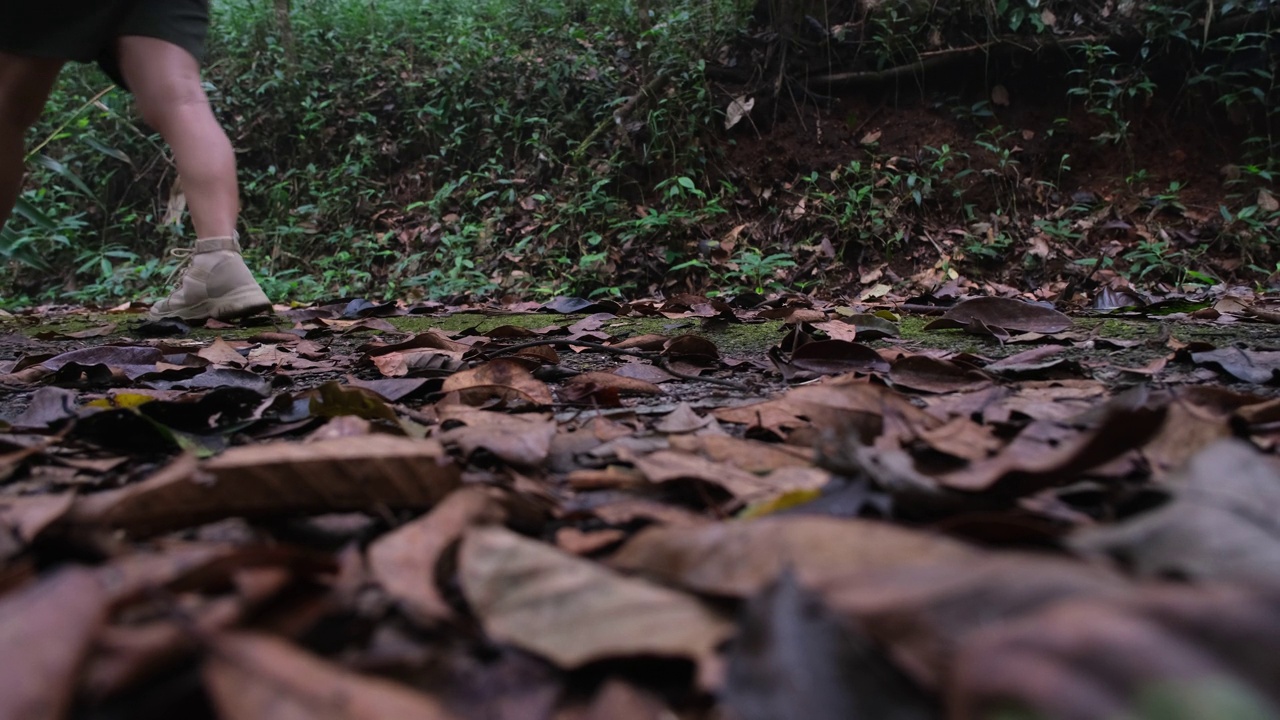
[[215, 283]]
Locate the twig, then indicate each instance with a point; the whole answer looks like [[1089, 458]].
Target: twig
[[617, 117], [940, 57]]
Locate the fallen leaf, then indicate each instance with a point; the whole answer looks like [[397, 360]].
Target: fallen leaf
[[220, 353], [1171, 651], [619, 700], [250, 676], [502, 379], [666, 466], [739, 559], [621, 384], [522, 440], [280, 478], [1258, 367], [1008, 314], [573, 611], [927, 374], [692, 349], [404, 560], [684, 419], [795, 660], [923, 611], [1222, 524], [1038, 457], [46, 630], [833, 357]]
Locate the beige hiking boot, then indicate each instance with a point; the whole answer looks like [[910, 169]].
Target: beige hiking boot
[[215, 283]]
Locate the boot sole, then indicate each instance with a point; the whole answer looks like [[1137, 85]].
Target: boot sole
[[232, 306]]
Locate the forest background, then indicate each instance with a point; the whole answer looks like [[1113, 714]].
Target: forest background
[[402, 149]]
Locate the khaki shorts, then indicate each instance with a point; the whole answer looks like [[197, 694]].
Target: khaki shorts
[[86, 30]]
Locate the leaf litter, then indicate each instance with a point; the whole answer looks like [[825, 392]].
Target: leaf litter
[[341, 520]]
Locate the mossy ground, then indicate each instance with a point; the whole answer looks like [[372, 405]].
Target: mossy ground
[[733, 339]]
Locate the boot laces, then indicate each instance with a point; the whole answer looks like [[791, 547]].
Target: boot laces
[[183, 255]]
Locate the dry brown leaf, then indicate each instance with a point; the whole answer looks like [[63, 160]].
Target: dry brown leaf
[[666, 466], [574, 611], [46, 630], [962, 438], [642, 342], [838, 329], [124, 656], [923, 611], [643, 371], [1038, 457], [522, 440], [280, 478], [578, 542], [611, 381], [219, 352], [684, 419], [1222, 524], [1206, 650], [927, 374], [984, 314], [404, 560], [753, 456], [29, 515], [251, 677], [502, 379], [740, 558], [417, 362]]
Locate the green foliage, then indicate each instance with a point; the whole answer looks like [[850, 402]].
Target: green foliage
[[457, 147], [397, 146]]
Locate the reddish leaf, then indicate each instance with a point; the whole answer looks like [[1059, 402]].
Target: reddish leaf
[[45, 633], [503, 380], [250, 677], [404, 561]]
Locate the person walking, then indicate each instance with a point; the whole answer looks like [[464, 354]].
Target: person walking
[[154, 49]]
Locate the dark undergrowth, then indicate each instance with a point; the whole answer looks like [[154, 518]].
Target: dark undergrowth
[[396, 149]]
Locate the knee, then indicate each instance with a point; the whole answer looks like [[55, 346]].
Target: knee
[[170, 101]]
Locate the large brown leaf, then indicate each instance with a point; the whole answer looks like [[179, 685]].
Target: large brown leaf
[[1207, 651], [978, 314], [740, 558], [1224, 521], [281, 478], [46, 631], [574, 611], [252, 677], [404, 561], [522, 440], [794, 660], [502, 379], [923, 611], [1039, 457]]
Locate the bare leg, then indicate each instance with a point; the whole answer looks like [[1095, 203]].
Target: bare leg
[[25, 83], [165, 80]]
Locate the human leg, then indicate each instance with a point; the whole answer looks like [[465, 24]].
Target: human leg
[[25, 84], [165, 80]]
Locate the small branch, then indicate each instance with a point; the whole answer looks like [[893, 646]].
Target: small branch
[[941, 57], [619, 116]]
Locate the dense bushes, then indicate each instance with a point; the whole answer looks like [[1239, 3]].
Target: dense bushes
[[392, 147]]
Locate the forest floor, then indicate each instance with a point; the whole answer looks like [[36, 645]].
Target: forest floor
[[622, 510]]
